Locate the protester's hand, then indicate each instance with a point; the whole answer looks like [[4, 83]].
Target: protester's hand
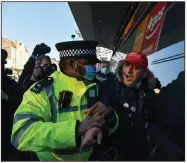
[[99, 109], [4, 96], [35, 51], [41, 49], [36, 73], [92, 136], [90, 122]]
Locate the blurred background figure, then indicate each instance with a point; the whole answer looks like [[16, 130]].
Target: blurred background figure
[[105, 73], [10, 99], [37, 67], [42, 69], [39, 50], [54, 66]]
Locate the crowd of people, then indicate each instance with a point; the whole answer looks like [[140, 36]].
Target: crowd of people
[[73, 113]]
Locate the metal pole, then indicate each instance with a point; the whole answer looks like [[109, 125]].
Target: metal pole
[[73, 36]]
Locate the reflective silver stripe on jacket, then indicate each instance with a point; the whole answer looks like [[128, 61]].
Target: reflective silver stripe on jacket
[[20, 132], [53, 102], [18, 117]]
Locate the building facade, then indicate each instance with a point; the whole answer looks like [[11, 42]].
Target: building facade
[[17, 55]]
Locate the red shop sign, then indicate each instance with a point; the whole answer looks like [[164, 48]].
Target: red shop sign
[[154, 26]]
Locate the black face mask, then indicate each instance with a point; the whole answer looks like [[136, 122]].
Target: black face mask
[[46, 71]]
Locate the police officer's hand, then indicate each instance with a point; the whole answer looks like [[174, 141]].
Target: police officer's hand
[[92, 136], [90, 122], [99, 109]]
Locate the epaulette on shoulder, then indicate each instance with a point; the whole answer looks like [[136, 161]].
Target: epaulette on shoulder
[[41, 84]]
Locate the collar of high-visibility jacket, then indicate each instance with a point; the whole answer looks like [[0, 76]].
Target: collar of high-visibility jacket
[[72, 79], [74, 82], [68, 78]]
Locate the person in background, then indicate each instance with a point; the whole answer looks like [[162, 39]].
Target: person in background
[[42, 69], [41, 66], [10, 99], [39, 50], [105, 73]]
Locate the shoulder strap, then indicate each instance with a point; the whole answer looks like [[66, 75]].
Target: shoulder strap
[[47, 84], [53, 102], [41, 84]]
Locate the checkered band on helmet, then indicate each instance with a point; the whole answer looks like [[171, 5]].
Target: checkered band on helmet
[[77, 52]]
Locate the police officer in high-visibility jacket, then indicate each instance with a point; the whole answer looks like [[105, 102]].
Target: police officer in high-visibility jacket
[[51, 120]]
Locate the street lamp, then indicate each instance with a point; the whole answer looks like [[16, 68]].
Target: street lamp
[[73, 36]]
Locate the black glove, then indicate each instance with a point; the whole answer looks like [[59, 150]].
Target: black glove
[[41, 49]]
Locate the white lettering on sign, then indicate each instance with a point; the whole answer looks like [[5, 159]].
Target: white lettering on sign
[[135, 54], [154, 20], [147, 50]]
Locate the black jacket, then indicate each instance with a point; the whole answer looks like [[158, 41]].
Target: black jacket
[[165, 122], [27, 83], [8, 108], [28, 70], [130, 140], [102, 77]]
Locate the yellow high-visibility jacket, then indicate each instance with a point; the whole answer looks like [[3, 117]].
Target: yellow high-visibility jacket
[[37, 129]]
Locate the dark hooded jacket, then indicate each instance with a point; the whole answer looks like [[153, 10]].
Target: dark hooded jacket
[[130, 142], [154, 131]]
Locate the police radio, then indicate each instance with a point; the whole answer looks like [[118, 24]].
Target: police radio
[[65, 98]]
